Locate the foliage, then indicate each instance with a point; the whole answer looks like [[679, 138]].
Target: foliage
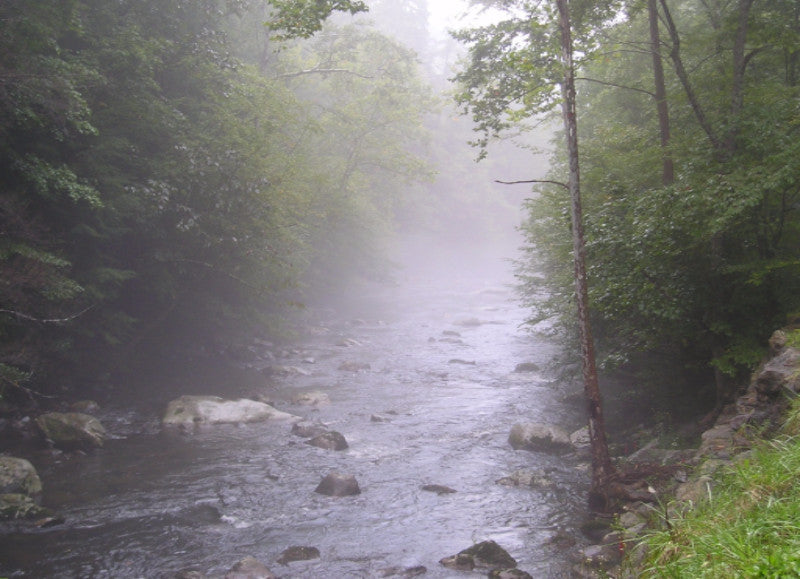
[[166, 187], [748, 528], [704, 268]]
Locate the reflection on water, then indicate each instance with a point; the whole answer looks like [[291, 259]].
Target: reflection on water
[[151, 503]]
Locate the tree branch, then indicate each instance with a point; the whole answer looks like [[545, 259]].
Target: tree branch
[[622, 86], [532, 181], [30, 318], [322, 71]]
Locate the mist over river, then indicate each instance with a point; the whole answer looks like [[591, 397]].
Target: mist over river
[[420, 379]]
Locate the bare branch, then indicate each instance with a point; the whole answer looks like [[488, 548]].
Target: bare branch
[[30, 318], [322, 71], [532, 181]]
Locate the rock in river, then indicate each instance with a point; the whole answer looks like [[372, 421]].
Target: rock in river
[[191, 410], [484, 555], [331, 440], [338, 485], [539, 437], [72, 430], [17, 475], [250, 568]]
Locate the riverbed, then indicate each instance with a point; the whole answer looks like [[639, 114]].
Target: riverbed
[[419, 376]]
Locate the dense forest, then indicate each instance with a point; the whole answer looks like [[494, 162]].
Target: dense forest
[[179, 175], [687, 115]]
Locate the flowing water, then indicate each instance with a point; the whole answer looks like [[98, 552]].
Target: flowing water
[[434, 406]]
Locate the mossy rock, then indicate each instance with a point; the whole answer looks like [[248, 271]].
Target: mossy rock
[[72, 430]]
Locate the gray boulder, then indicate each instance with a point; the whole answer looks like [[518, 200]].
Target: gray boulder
[[539, 437], [338, 485], [780, 374], [250, 568], [195, 410], [72, 430], [331, 440], [17, 475]]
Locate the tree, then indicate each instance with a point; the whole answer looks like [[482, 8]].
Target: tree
[[513, 71]]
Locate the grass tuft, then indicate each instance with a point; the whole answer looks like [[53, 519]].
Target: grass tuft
[[751, 526]]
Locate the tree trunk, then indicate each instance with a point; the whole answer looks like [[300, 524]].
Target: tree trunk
[[667, 166], [602, 468]]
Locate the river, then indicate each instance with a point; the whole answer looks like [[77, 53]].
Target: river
[[434, 406]]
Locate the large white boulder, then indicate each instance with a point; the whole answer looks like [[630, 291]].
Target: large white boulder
[[192, 410]]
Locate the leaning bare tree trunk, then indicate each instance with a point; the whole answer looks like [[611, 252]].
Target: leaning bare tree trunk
[[602, 468]]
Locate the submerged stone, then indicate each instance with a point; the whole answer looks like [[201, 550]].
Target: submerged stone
[[195, 410]]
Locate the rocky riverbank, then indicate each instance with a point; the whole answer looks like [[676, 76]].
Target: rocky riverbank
[[687, 477]]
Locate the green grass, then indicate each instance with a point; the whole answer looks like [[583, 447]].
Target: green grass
[[751, 526]]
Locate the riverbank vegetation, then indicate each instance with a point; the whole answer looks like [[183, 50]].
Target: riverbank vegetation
[[747, 527]]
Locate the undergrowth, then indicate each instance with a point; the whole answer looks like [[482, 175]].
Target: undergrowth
[[750, 527]]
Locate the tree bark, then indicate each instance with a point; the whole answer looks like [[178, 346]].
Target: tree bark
[[602, 468], [667, 166]]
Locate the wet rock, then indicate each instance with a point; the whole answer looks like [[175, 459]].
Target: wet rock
[[312, 398], [468, 322], [539, 437], [580, 438], [451, 333], [438, 489], [195, 410], [72, 430], [284, 371], [250, 568], [509, 574], [526, 478], [308, 428], [298, 554], [526, 367], [331, 440], [460, 361], [17, 475], [403, 571], [780, 374], [189, 574], [338, 485], [379, 418], [18, 506], [601, 557], [354, 367], [484, 555]]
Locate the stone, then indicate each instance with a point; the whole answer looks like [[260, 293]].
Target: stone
[[311, 398], [780, 374], [72, 430], [580, 438], [338, 485], [539, 437], [331, 440], [354, 366], [17, 475], [484, 555], [438, 489], [195, 410], [85, 406], [404, 571], [509, 574], [298, 554], [250, 568], [526, 367], [308, 428], [526, 478], [19, 506]]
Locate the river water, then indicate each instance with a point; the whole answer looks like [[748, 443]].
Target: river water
[[434, 406]]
